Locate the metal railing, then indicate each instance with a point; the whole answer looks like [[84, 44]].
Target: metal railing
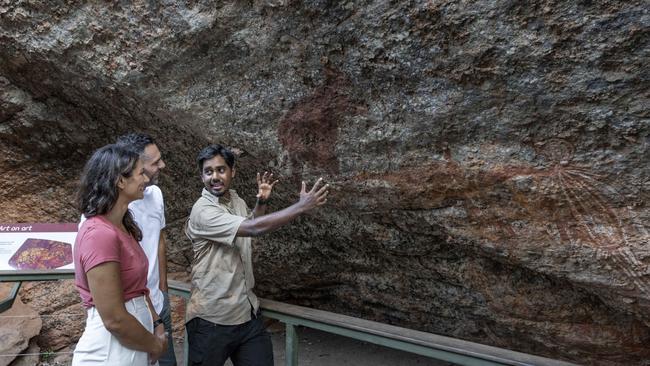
[[427, 344]]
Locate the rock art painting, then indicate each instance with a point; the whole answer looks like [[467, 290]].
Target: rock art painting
[[509, 205], [309, 131], [41, 254], [585, 211]]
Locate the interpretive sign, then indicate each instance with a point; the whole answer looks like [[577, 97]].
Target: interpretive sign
[[36, 246]]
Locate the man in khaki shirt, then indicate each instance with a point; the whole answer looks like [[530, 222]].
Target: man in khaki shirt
[[223, 312]]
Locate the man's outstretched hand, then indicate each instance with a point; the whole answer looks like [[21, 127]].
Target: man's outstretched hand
[[317, 196], [261, 224], [265, 185]]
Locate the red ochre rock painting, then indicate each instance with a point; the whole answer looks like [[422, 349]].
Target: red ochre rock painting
[[309, 131], [563, 203], [582, 211]]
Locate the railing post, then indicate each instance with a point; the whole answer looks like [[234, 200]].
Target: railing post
[[291, 346]]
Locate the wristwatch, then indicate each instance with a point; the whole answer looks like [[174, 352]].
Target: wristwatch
[[157, 323]]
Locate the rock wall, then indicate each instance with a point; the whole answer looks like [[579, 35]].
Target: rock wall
[[19, 324], [488, 159]]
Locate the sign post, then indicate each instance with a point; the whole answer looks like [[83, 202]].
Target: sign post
[[35, 251]]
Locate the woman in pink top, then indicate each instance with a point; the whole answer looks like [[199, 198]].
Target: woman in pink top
[[110, 267]]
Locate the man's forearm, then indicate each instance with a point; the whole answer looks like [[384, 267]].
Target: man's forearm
[[162, 262], [259, 209], [267, 223]]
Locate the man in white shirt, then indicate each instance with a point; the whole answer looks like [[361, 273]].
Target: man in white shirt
[[149, 214]]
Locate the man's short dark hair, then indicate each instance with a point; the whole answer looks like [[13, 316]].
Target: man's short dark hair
[[212, 151], [135, 141]]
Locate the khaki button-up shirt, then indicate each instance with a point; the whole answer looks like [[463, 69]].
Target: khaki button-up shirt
[[222, 269]]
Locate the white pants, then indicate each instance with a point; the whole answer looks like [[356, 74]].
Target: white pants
[[97, 346]]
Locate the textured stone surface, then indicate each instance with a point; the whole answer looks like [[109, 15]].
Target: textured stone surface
[[18, 326], [63, 315], [488, 159], [31, 358]]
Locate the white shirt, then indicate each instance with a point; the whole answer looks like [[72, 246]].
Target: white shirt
[[149, 214]]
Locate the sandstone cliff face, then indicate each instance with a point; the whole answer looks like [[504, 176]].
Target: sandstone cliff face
[[488, 159]]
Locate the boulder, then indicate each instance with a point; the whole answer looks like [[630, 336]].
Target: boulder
[[18, 326]]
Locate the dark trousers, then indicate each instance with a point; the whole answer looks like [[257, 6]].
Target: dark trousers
[[211, 344], [168, 358]]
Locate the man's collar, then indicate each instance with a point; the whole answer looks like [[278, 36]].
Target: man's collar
[[214, 199]]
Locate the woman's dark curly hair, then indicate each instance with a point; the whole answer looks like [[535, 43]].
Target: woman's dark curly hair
[[98, 190]]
